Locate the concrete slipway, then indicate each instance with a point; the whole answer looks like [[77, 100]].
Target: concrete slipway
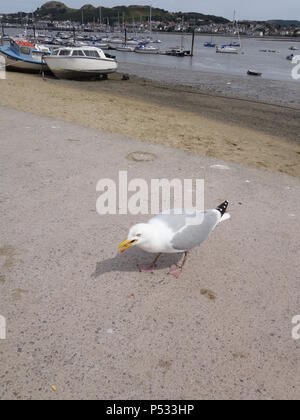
[[82, 322]]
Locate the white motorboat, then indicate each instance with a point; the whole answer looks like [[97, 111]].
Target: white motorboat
[[80, 63], [146, 49], [226, 49]]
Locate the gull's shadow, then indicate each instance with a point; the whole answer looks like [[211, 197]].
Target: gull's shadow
[[132, 261]]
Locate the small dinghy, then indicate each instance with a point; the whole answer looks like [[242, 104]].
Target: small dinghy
[[254, 73]]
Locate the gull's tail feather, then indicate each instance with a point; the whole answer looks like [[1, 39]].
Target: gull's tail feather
[[222, 208]]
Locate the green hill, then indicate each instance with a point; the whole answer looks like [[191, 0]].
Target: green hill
[[285, 23], [55, 10]]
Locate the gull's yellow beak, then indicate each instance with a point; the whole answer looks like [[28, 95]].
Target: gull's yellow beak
[[126, 245]]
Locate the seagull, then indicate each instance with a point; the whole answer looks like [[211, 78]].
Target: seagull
[[175, 231]]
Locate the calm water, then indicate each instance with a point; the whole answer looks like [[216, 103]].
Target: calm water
[[274, 66]]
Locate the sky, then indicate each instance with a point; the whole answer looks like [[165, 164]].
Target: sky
[[252, 10]]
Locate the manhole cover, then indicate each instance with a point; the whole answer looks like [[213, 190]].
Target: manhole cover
[[141, 156]]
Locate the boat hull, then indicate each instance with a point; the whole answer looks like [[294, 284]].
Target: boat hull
[[227, 51], [21, 65], [80, 68], [125, 49], [254, 73], [146, 52]]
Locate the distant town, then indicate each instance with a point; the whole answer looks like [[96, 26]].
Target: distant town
[[57, 16]]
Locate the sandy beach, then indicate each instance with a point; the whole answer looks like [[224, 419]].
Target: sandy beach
[[236, 130], [83, 322]]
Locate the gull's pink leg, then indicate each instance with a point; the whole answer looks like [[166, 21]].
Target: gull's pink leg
[[152, 266], [175, 270]]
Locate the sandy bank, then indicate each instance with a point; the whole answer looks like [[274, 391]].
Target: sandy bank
[[257, 135]]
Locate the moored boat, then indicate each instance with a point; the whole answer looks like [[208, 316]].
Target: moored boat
[[146, 49], [209, 45], [101, 45], [125, 48], [225, 49], [175, 52]]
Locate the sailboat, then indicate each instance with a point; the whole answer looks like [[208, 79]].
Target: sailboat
[[234, 47], [143, 47], [210, 44], [179, 51]]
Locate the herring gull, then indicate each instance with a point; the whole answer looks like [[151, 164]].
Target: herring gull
[[174, 232]]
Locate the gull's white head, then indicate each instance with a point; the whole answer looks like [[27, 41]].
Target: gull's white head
[[138, 235]]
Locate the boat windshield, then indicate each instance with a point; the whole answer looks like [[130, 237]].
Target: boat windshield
[[25, 50], [65, 52], [92, 53], [78, 53]]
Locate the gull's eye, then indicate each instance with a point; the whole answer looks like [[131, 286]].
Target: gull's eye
[[138, 235]]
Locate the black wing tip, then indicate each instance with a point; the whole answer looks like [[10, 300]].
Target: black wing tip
[[222, 208]]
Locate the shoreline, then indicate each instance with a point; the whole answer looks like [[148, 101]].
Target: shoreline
[[230, 129], [232, 86], [217, 35]]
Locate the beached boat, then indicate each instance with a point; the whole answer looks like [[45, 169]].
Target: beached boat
[[23, 55], [80, 63], [293, 49]]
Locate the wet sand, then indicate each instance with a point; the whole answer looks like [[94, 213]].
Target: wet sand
[[237, 130]]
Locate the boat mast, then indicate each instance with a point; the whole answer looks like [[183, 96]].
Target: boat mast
[[182, 35], [237, 28], [150, 21]]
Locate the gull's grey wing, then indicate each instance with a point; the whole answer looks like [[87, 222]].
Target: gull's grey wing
[[192, 235], [174, 221]]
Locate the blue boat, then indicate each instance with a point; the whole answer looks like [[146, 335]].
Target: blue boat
[[22, 55]]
